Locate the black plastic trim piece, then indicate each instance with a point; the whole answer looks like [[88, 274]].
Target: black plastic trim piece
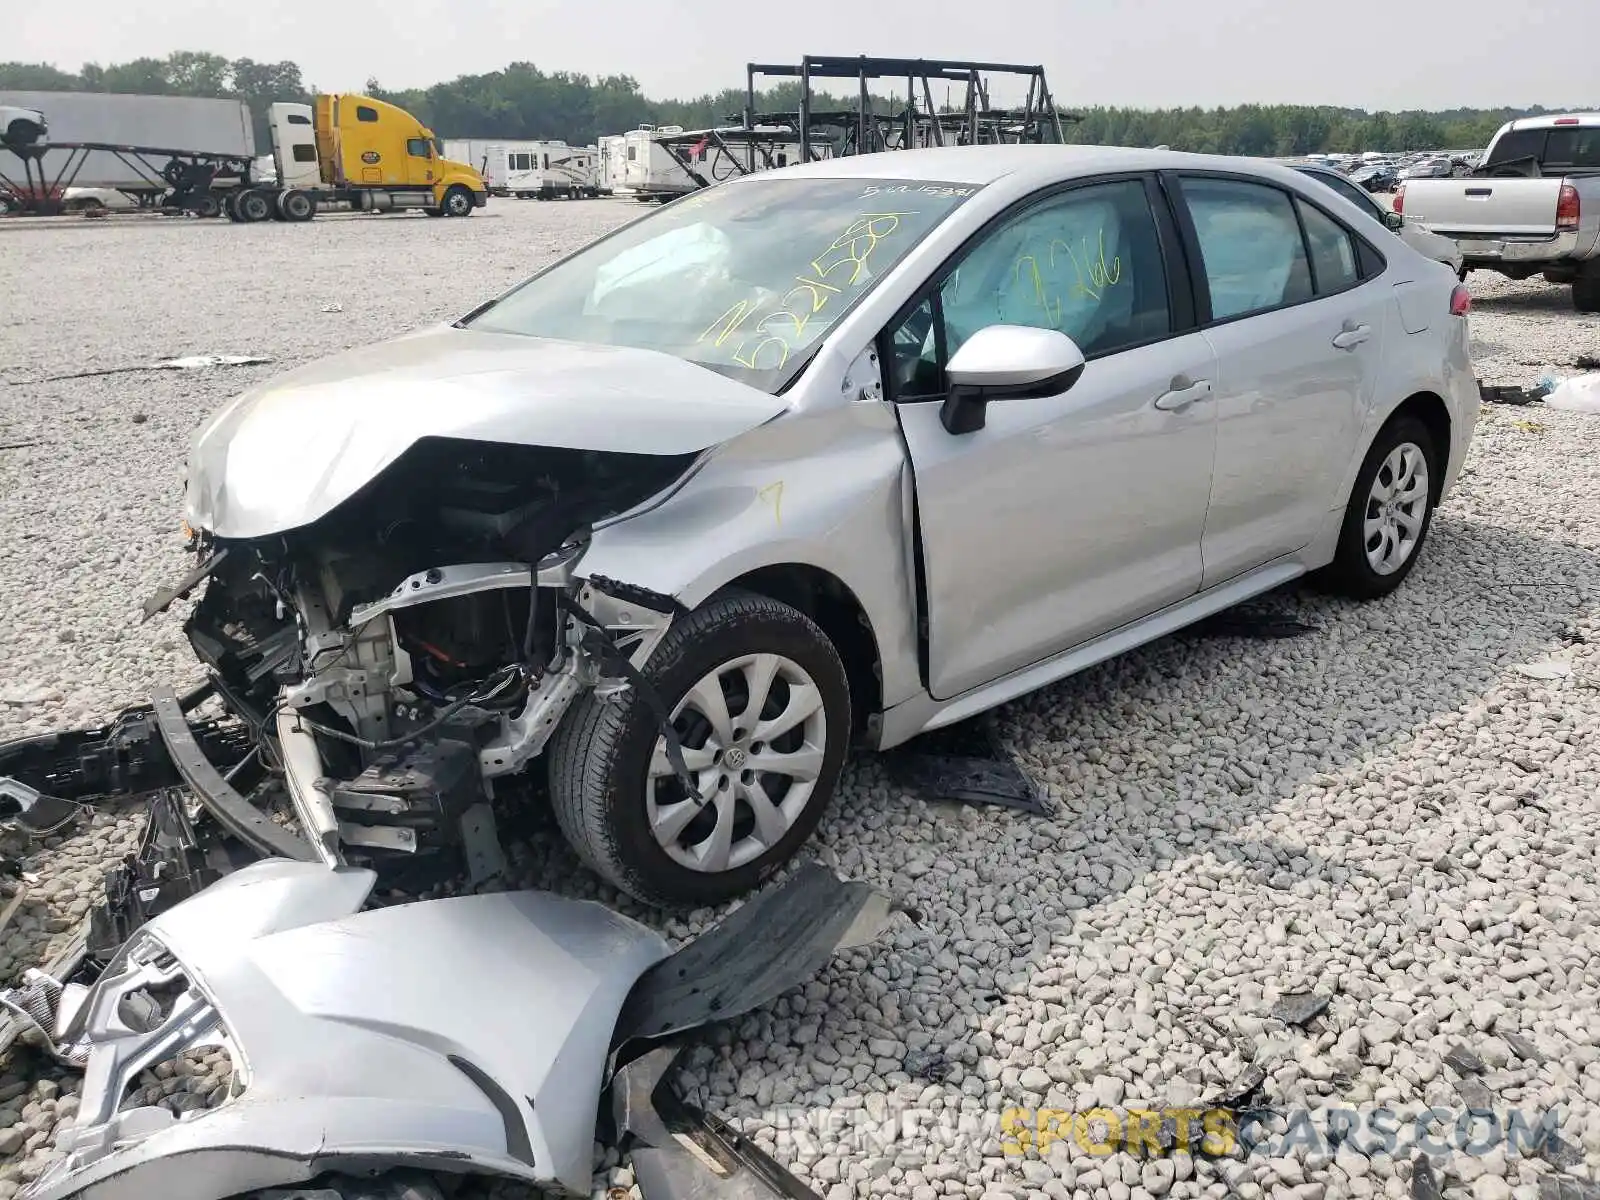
[[231, 810]]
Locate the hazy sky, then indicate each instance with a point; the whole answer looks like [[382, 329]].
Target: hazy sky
[[1362, 53]]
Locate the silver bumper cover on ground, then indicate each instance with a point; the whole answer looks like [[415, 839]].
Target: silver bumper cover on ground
[[470, 1035], [466, 1034]]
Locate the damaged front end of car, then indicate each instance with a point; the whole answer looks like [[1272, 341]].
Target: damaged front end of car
[[385, 668], [421, 642]]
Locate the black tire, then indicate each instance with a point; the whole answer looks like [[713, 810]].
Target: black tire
[[254, 206], [457, 202], [295, 205], [230, 207], [600, 756], [1586, 293], [207, 206], [1351, 574]]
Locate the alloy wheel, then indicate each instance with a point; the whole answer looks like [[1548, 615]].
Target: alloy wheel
[[1397, 508], [754, 731]]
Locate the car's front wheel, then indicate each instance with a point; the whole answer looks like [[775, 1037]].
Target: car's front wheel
[[761, 706], [1389, 514]]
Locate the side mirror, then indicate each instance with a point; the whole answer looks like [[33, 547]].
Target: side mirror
[[1395, 221], [1006, 362]]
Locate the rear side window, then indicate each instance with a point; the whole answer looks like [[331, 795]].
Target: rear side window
[[1519, 143], [1250, 244], [299, 119], [1334, 265], [363, 113], [1575, 147]]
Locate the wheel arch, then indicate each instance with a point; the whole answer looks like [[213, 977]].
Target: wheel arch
[[839, 613], [1429, 408]]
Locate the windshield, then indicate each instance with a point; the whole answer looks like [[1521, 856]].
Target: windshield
[[745, 278]]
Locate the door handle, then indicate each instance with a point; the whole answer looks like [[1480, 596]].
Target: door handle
[[1352, 336], [1183, 392]]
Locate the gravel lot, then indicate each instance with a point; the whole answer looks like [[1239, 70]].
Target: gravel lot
[[1397, 810]]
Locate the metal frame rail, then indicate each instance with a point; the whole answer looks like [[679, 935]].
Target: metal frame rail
[[977, 121], [185, 178]]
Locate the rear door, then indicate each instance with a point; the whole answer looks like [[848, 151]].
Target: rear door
[[1297, 316], [1069, 515]]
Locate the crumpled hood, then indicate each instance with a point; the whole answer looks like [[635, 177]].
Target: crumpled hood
[[289, 451]]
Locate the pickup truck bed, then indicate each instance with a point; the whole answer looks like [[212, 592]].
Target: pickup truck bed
[[1532, 209]]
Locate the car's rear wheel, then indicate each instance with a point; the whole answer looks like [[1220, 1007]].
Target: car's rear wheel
[[759, 700], [1389, 514]]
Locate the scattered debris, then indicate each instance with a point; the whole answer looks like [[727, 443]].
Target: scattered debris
[[18, 445], [1299, 1008], [1506, 394], [1559, 1152], [335, 307], [1580, 393], [193, 362], [1523, 1047], [1239, 1094], [967, 763], [928, 1065], [1561, 1187], [1463, 1061], [1424, 1183], [1475, 1094], [1550, 668]]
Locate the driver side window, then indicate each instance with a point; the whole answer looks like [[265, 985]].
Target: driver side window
[[1086, 263]]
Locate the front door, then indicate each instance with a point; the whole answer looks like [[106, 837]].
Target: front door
[[1068, 515], [419, 163], [1298, 334]]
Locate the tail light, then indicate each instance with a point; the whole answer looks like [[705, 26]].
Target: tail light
[[1567, 208], [1460, 301], [1400, 199]]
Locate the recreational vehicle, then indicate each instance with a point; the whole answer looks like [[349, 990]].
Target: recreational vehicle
[[554, 170]]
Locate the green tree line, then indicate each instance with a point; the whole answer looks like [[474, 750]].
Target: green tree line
[[523, 101]]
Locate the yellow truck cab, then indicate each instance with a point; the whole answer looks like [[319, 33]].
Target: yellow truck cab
[[367, 146]]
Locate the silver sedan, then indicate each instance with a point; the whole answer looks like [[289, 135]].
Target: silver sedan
[[818, 458]]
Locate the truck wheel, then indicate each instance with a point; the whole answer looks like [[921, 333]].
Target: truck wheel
[[1586, 293], [230, 207], [760, 702], [295, 205], [457, 202], [208, 206], [254, 206]]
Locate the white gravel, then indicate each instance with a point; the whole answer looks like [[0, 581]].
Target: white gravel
[[1398, 810]]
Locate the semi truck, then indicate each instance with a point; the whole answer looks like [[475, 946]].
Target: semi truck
[[341, 151], [355, 152]]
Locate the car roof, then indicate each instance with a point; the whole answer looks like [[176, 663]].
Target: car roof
[[979, 165]]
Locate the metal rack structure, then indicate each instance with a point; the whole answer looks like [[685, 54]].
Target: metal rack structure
[[183, 181], [922, 120]]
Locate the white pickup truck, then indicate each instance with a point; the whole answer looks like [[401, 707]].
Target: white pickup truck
[[1532, 206]]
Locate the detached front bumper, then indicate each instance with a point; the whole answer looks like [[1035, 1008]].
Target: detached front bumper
[[467, 1034], [472, 1035]]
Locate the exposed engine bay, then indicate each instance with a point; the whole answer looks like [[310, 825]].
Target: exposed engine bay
[[395, 658]]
